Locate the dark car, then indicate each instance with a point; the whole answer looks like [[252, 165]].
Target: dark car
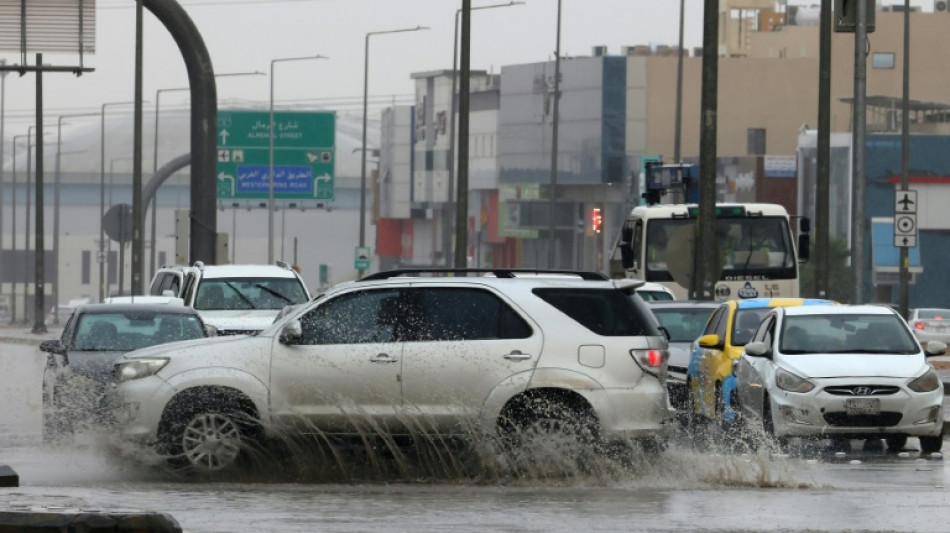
[[684, 321], [79, 363]]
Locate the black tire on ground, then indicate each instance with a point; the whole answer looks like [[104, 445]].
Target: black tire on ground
[[560, 435], [208, 435], [768, 426], [895, 443], [931, 444]]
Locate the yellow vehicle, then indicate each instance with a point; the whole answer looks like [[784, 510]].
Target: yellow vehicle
[[710, 382]]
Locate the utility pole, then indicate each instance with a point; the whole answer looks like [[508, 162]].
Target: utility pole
[[704, 266], [858, 259], [905, 157], [823, 178]]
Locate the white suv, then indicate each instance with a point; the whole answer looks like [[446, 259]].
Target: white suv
[[235, 299], [408, 353]]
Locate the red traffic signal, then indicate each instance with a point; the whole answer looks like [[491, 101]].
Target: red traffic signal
[[596, 220]]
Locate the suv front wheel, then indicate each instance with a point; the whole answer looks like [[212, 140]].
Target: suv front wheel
[[208, 434]]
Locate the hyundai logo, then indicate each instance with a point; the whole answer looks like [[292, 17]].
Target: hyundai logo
[[862, 391]]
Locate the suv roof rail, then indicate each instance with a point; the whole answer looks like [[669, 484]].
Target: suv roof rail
[[497, 272]]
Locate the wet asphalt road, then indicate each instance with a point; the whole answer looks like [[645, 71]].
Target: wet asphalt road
[[692, 487]]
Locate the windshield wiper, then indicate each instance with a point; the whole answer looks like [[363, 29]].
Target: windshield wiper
[[240, 294], [275, 293]]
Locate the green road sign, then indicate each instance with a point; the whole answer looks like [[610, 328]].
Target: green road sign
[[361, 258], [304, 143]]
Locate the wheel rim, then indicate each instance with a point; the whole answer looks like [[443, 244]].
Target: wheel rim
[[211, 441]]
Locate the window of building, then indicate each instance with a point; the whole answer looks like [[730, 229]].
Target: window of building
[[882, 60], [756, 141]]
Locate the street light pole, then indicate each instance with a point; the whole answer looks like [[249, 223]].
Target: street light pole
[[552, 206], [13, 234], [3, 87], [270, 184], [102, 199], [362, 240], [56, 205], [453, 109]]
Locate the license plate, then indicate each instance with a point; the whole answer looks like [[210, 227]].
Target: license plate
[[863, 406]]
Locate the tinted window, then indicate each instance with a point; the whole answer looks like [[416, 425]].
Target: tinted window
[[713, 324], [934, 314], [745, 324], [449, 314], [652, 296], [607, 312], [685, 324], [354, 318]]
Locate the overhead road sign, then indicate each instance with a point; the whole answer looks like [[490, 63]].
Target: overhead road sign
[[304, 155]]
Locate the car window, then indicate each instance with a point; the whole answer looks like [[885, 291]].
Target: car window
[[652, 296], [745, 323], [764, 333], [155, 289], [684, 324], [722, 323], [132, 330], [249, 293], [713, 321], [355, 318], [449, 314], [606, 312], [933, 314]]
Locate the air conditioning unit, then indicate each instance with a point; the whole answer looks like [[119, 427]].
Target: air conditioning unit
[[941, 6]]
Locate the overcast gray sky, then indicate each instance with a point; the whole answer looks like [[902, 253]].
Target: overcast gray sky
[[245, 35]]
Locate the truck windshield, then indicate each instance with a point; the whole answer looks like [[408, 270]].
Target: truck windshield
[[749, 248]]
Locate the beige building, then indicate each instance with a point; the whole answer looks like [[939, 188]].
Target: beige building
[[768, 83]]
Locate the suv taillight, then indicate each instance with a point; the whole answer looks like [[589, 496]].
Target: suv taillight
[[651, 361]]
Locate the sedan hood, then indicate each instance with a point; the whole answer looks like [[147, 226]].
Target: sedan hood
[[854, 365], [244, 320], [96, 366]]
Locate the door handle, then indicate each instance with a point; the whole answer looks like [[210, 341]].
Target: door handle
[[516, 355], [383, 358]]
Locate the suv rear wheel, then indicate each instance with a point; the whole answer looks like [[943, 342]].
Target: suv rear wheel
[[546, 432]]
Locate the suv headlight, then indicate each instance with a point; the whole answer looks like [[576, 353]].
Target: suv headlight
[[792, 382], [138, 368], [928, 382]]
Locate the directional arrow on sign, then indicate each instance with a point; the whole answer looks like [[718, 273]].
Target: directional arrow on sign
[[224, 177], [224, 137]]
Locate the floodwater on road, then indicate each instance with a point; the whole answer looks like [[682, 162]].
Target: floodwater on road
[[688, 488]]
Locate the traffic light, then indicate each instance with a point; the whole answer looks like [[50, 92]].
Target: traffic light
[[596, 220]]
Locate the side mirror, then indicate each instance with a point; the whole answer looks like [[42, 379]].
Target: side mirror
[[211, 331], [710, 341], [757, 349], [291, 332], [804, 225], [56, 346], [626, 255], [804, 248], [935, 348]]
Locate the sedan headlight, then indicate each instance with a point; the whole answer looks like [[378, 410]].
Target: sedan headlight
[[138, 368], [928, 382], [791, 382]]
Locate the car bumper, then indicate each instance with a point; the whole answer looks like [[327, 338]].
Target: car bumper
[[635, 413], [136, 407], [819, 413]]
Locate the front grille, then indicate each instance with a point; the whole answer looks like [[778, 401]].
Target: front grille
[[862, 390], [842, 419]]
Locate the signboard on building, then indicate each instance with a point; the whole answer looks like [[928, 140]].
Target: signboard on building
[[780, 166]]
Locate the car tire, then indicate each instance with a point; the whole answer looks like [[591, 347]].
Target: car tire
[[931, 444], [768, 425], [551, 435], [895, 443], [207, 437]]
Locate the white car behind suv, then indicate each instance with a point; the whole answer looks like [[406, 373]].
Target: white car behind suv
[[234, 299], [482, 353]]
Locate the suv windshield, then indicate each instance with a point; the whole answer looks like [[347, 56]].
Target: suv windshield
[[606, 312], [249, 293]]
